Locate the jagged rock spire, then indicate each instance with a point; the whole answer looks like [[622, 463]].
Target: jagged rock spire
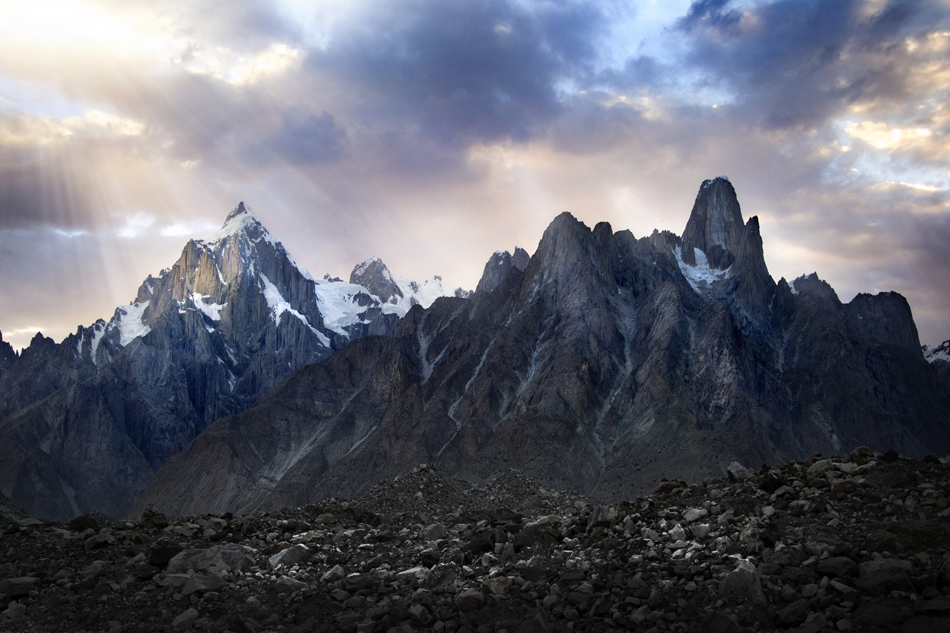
[[498, 266], [716, 220], [375, 277]]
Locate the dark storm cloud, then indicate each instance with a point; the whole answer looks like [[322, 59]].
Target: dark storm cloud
[[468, 71], [797, 63]]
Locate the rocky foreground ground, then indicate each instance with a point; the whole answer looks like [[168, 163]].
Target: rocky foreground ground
[[856, 543]]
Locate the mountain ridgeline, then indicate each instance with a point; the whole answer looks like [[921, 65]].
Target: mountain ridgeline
[[600, 364], [86, 423]]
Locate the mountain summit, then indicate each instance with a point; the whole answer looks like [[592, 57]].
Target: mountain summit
[[498, 266], [605, 365], [84, 424], [715, 224]]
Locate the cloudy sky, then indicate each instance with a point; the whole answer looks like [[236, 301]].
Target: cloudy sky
[[434, 132]]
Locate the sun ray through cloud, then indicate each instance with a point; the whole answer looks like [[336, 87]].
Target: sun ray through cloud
[[434, 133]]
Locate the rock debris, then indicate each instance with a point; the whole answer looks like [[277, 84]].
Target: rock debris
[[847, 543]]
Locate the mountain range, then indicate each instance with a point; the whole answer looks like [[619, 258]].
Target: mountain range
[[86, 423], [604, 363]]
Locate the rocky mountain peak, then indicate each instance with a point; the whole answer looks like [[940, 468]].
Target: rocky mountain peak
[[498, 266], [241, 219], [7, 355], [715, 221], [817, 289], [885, 317], [569, 257], [564, 232], [373, 275], [520, 259]]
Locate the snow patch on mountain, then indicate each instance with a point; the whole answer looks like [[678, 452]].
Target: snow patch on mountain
[[413, 294], [700, 276], [361, 268], [338, 303], [211, 310], [279, 305], [98, 329], [938, 354], [239, 221], [130, 322], [243, 222]]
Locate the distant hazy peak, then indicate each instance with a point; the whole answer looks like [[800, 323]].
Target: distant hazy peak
[[373, 275], [373, 265]]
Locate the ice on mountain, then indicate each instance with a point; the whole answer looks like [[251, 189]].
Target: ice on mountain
[[130, 322], [238, 221], [414, 294], [940, 353], [337, 302], [279, 305], [794, 285], [700, 276], [242, 219], [361, 268], [98, 329], [211, 310], [275, 300]]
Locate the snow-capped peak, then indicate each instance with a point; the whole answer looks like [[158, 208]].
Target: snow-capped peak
[[242, 222], [240, 219], [364, 266]]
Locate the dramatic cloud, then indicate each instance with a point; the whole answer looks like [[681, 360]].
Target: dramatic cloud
[[795, 64], [432, 133]]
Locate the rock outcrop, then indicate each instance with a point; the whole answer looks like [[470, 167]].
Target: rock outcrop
[[608, 364], [85, 424], [7, 356], [498, 266]]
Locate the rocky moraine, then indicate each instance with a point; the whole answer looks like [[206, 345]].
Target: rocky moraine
[[847, 543]]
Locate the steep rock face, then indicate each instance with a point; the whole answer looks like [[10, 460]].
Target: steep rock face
[[375, 277], [498, 266], [86, 423], [609, 363], [715, 224], [885, 317], [7, 355]]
